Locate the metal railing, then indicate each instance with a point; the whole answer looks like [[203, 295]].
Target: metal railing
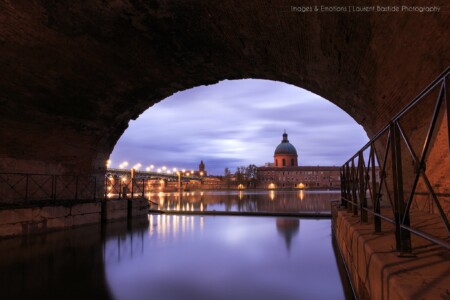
[[399, 154], [19, 187], [118, 188]]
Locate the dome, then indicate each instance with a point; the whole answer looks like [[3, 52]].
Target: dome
[[285, 147]]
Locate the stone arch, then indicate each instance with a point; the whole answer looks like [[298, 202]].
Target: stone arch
[[75, 74]]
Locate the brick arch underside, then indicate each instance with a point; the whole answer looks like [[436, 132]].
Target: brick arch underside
[[74, 74]]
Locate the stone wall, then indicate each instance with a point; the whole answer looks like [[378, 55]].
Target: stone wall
[[31, 220], [378, 272], [75, 74], [24, 221]]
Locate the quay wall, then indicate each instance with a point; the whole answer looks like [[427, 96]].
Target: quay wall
[[41, 219], [377, 271]]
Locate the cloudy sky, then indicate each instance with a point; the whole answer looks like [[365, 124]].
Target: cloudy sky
[[236, 123]]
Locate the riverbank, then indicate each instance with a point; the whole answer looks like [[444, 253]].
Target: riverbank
[[377, 271]]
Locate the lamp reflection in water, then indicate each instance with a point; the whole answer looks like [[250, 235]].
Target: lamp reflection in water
[[301, 195], [166, 226], [269, 200], [272, 195]]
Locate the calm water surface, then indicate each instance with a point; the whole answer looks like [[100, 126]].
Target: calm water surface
[[176, 257], [246, 201]]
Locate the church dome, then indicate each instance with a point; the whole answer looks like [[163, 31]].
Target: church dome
[[285, 147]]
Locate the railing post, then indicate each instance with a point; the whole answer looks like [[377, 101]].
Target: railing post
[[343, 194], [120, 188], [132, 176], [354, 195], [349, 188], [375, 195], [105, 190], [403, 237], [143, 187], [362, 188]]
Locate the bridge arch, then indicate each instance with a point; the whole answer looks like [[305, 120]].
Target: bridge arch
[[75, 74]]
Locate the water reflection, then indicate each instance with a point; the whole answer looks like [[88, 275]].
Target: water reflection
[[164, 226], [245, 201], [288, 228], [175, 257], [62, 265], [210, 257]]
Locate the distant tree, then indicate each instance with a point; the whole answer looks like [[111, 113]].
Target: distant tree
[[251, 172], [240, 174], [227, 172]]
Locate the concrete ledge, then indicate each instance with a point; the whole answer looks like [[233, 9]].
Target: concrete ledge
[[86, 208], [139, 207], [116, 209], [323, 215], [377, 271], [41, 217], [117, 204], [50, 212], [15, 215], [121, 208], [23, 221]]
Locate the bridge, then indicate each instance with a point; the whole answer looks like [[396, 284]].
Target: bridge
[[173, 176], [120, 183]]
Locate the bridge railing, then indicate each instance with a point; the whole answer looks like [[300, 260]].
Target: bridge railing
[[411, 158], [18, 188]]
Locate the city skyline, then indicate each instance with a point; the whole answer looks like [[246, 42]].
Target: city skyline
[[235, 123]]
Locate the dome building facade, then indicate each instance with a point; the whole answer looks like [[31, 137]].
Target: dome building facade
[[285, 173], [285, 154]]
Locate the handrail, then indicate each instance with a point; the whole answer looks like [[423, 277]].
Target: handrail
[[413, 102], [385, 173], [28, 187]]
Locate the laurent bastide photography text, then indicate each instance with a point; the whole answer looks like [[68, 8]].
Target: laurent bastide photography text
[[365, 9]]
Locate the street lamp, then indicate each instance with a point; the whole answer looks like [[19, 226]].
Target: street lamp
[[123, 165]]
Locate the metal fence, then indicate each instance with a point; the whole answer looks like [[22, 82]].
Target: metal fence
[[16, 188], [19, 187], [123, 187], [411, 155]]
